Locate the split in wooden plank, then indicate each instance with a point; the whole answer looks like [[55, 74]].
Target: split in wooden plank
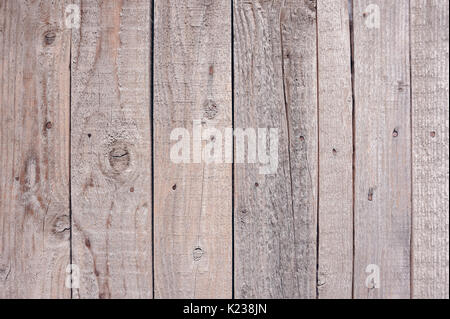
[[193, 210], [382, 149], [430, 139], [276, 87], [335, 259], [34, 147], [111, 150]]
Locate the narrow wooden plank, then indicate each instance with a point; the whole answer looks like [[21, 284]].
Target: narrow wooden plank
[[111, 150], [336, 150], [430, 120], [276, 87], [382, 149], [34, 161], [193, 211]]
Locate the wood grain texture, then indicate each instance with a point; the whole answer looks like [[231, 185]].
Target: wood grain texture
[[193, 211], [34, 161], [336, 150], [111, 150], [430, 99], [383, 147], [275, 87]]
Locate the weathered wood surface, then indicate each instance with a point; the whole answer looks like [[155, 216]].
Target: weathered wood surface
[[362, 175], [193, 202], [430, 120], [382, 148], [275, 87], [34, 150], [111, 150], [336, 151]]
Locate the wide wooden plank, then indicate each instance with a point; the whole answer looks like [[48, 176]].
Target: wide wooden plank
[[430, 125], [193, 210], [336, 150], [34, 160], [275, 87], [382, 149], [111, 150]]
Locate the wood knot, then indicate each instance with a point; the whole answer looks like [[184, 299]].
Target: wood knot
[[197, 254], [49, 37], [119, 157], [210, 109], [61, 227]]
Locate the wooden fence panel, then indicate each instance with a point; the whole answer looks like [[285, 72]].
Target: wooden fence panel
[[275, 87], [111, 150], [335, 259], [382, 149], [193, 199], [264, 149], [430, 120], [34, 148]]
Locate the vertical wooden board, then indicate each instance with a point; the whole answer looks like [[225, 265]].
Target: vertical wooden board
[[111, 150], [430, 120], [382, 148], [275, 87], [193, 211], [336, 151], [34, 161]]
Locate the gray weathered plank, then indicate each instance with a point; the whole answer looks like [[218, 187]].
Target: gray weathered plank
[[111, 150], [382, 148], [275, 87], [193, 211], [430, 125], [34, 161], [335, 259]]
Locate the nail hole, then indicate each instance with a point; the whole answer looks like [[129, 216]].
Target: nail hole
[[334, 151], [395, 133], [433, 134], [302, 138], [370, 195], [49, 125], [174, 187], [132, 190], [89, 135], [256, 185]]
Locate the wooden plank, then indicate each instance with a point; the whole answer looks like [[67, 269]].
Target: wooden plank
[[34, 161], [275, 87], [336, 151], [382, 148], [193, 211], [430, 120], [111, 150]]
